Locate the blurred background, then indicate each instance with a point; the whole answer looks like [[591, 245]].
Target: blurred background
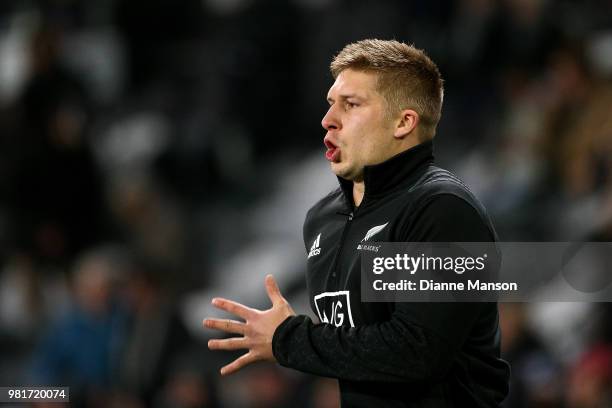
[[156, 153]]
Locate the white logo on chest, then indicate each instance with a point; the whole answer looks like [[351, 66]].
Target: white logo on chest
[[373, 231], [334, 307], [314, 249]]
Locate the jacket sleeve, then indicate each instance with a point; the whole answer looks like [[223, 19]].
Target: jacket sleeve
[[418, 342]]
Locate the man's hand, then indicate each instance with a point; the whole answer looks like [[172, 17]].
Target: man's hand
[[257, 329]]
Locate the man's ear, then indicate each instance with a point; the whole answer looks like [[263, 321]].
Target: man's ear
[[407, 123]]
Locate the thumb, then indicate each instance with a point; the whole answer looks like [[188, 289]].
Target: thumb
[[273, 291]]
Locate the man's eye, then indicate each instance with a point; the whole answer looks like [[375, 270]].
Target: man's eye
[[350, 105]]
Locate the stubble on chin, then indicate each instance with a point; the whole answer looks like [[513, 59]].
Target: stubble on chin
[[348, 173]]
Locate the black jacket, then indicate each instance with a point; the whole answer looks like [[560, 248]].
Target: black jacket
[[395, 354]]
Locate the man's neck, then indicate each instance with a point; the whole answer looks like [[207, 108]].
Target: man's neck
[[359, 186], [358, 192]]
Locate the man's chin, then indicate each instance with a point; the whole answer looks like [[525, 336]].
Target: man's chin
[[343, 171], [338, 169]]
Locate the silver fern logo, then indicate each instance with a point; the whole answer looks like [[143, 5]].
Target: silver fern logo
[[373, 231]]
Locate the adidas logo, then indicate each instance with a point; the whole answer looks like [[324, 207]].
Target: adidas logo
[[314, 249]]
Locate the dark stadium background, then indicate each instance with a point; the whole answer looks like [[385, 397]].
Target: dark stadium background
[[156, 153]]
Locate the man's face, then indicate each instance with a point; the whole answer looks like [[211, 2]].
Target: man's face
[[359, 133]]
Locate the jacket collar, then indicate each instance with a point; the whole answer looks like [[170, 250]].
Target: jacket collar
[[385, 177]]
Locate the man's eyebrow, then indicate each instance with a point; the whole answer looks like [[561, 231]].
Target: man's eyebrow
[[343, 96]]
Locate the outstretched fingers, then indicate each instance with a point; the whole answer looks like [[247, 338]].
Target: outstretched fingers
[[274, 292], [233, 343], [237, 364], [226, 325], [234, 308]]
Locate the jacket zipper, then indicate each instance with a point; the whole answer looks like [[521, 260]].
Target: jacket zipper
[[342, 238]]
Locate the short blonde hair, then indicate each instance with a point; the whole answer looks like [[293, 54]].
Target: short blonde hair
[[407, 77]]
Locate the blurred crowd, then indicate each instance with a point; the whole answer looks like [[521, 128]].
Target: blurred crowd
[[153, 154]]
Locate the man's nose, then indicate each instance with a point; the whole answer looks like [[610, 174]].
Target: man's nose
[[330, 120]]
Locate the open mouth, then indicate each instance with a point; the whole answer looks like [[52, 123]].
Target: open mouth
[[333, 152]]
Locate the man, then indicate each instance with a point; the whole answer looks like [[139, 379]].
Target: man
[[385, 104]]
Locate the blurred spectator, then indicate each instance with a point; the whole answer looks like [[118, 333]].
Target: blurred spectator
[[187, 388], [536, 379], [149, 221], [81, 349], [267, 387], [155, 339], [590, 379], [56, 191], [325, 393]]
